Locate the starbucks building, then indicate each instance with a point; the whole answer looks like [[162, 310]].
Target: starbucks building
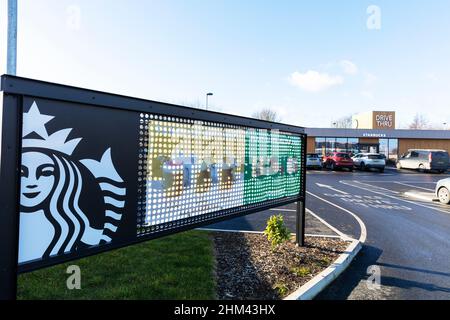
[[376, 132]]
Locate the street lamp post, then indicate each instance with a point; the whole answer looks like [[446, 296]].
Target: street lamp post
[[11, 64], [207, 96]]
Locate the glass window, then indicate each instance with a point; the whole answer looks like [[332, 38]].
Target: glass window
[[331, 144], [393, 149], [321, 146], [341, 145], [384, 147], [352, 145]]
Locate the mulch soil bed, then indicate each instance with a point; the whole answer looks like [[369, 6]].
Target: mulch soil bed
[[247, 268]]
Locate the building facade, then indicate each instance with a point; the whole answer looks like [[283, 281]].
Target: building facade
[[375, 132]]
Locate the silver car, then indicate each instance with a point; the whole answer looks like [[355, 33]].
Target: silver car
[[365, 161], [424, 159], [313, 161], [443, 191]]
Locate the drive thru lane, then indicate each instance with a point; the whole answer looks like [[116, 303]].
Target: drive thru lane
[[408, 240]]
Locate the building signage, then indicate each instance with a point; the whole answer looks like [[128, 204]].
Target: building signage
[[383, 120], [374, 135]]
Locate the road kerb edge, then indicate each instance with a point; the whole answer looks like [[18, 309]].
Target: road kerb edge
[[314, 286]]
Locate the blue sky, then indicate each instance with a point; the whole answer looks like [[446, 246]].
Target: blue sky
[[312, 61]]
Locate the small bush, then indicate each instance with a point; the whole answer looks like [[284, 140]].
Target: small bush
[[282, 289], [301, 271], [276, 231]]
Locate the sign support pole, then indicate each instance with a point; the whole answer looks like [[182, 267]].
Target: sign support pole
[[12, 38], [10, 153], [300, 206], [300, 225]]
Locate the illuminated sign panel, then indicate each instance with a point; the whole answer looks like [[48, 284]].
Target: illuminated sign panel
[[196, 170]]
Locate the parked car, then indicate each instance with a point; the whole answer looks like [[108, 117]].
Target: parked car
[[423, 159], [338, 160], [367, 161], [443, 191], [313, 161]]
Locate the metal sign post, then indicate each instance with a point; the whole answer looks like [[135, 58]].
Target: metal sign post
[[12, 38], [10, 124], [301, 205]]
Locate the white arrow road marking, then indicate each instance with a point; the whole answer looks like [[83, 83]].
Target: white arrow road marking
[[393, 197], [362, 226], [330, 187], [376, 187], [412, 186]]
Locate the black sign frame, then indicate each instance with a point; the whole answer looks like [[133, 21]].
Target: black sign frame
[[15, 90]]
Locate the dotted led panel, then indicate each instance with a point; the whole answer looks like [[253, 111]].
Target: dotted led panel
[[191, 171]]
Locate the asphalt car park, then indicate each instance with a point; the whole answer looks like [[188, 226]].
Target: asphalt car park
[[406, 239]]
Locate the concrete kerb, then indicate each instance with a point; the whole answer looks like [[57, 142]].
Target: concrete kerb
[[314, 286]]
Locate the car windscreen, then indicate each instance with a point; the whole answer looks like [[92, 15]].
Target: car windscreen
[[312, 156], [342, 155], [375, 156]]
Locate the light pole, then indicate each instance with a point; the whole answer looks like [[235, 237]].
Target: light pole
[[207, 96], [11, 64]]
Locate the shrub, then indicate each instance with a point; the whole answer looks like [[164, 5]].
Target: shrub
[[301, 271], [281, 288], [276, 231]]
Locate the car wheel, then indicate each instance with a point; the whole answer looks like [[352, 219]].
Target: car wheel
[[381, 170], [362, 166], [398, 165], [421, 168], [444, 195], [332, 166]]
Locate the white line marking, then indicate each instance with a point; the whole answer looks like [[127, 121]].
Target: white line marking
[[330, 187], [393, 197], [341, 234], [421, 197], [412, 186], [362, 226], [370, 185], [262, 232], [286, 210], [390, 181]]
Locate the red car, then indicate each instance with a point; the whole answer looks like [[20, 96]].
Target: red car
[[338, 160]]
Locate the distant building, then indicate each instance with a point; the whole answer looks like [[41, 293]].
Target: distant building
[[375, 131]]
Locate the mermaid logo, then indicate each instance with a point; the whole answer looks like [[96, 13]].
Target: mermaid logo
[[52, 184]]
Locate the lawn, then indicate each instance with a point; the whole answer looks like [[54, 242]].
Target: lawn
[[175, 267]]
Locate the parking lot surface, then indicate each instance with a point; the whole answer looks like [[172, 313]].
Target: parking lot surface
[[406, 240]]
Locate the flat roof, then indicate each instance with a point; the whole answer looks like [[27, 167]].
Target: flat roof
[[378, 133]]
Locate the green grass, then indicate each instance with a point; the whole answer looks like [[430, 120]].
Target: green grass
[[174, 267]]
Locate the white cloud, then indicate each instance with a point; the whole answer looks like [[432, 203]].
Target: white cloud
[[367, 94], [314, 81], [370, 79], [349, 67]]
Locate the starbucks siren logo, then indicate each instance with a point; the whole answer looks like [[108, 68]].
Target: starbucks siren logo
[[51, 221]]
